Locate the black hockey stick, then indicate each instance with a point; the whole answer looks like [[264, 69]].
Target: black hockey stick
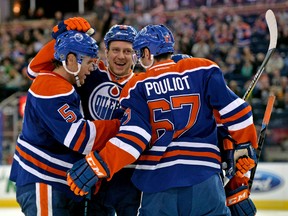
[[265, 122], [273, 31]]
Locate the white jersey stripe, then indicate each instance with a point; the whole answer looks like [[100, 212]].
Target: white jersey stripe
[[241, 125], [233, 105], [138, 130], [177, 162], [43, 154], [125, 147], [38, 174], [93, 134], [72, 131]]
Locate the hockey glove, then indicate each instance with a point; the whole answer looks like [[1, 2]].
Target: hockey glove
[[86, 172], [74, 23], [238, 161], [238, 199], [243, 165]]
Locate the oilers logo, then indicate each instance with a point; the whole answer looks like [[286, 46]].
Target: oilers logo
[[104, 101]]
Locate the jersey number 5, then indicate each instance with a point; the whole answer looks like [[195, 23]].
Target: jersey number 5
[[67, 114]]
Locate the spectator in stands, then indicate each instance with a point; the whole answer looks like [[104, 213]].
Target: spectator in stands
[[224, 37], [246, 69], [58, 17], [286, 101], [233, 85], [201, 49], [262, 89], [233, 60], [40, 13], [276, 62], [243, 32], [11, 80]]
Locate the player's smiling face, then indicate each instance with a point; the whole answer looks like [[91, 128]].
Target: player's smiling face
[[119, 56]]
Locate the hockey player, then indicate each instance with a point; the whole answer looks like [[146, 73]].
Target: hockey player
[[169, 129], [100, 100], [54, 133]]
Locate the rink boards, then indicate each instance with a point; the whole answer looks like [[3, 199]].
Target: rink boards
[[269, 192]]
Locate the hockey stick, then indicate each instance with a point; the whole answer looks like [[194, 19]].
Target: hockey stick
[[273, 31], [265, 122]]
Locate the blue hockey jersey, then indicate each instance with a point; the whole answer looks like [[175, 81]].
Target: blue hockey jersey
[[55, 135], [169, 125], [100, 94]]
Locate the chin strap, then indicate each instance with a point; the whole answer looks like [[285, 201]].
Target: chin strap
[[77, 80], [135, 60], [73, 73], [148, 66]]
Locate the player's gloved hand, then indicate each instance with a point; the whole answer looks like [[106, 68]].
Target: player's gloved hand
[[237, 197], [75, 23], [238, 161], [243, 165], [86, 172], [239, 202]]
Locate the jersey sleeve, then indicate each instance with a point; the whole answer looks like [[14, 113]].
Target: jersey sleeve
[[134, 134], [231, 112], [42, 61], [66, 124], [105, 129]]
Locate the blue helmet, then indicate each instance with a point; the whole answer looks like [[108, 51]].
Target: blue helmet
[[157, 38], [178, 57], [75, 42], [120, 33]]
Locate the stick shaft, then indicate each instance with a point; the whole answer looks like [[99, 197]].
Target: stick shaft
[[266, 119], [258, 74]]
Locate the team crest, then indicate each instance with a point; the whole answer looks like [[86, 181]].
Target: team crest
[[104, 100]]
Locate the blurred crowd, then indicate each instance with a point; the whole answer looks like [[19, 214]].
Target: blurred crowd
[[237, 42]]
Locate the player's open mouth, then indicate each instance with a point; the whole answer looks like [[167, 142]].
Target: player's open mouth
[[120, 64]]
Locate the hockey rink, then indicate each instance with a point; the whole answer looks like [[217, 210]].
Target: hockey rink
[[17, 212]]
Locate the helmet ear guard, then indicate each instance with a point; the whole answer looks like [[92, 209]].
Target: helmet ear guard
[[134, 58], [157, 38]]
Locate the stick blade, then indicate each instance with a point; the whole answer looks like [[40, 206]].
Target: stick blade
[[273, 30]]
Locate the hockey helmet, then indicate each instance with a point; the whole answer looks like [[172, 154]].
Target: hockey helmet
[[157, 38], [120, 33], [75, 42]]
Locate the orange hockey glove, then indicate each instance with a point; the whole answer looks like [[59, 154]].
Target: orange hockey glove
[[75, 23], [243, 165], [238, 161]]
